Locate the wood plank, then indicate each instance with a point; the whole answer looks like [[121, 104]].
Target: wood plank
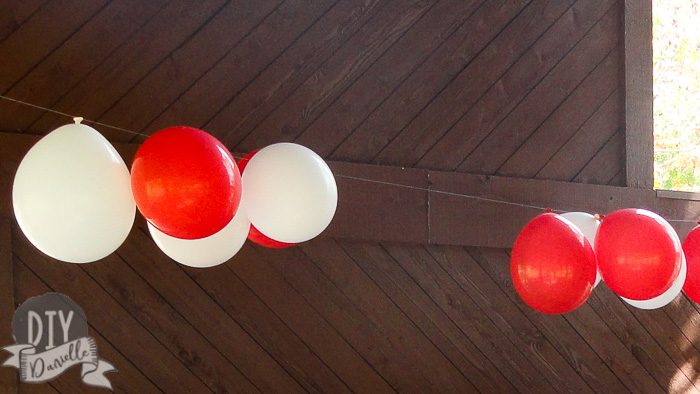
[[86, 49], [455, 54], [605, 164], [250, 57], [291, 69], [8, 376], [338, 73], [306, 322], [573, 155], [123, 70], [593, 329], [373, 337], [549, 360], [589, 67], [153, 359], [209, 318], [385, 75], [447, 148], [509, 323], [638, 341], [186, 65], [184, 340], [128, 378], [14, 14], [515, 367], [464, 90], [479, 269], [358, 282], [269, 329], [44, 34], [639, 117]]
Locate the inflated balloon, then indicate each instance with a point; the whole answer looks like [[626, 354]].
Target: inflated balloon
[[72, 196], [185, 182], [289, 192], [639, 253], [691, 247], [553, 265], [588, 224], [665, 298], [205, 252], [255, 235]]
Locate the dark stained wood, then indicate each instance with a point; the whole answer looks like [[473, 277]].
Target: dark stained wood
[[600, 169], [118, 326], [447, 148], [337, 74], [639, 122], [588, 68], [72, 61], [548, 363], [269, 328], [8, 376], [127, 378], [360, 280], [488, 269], [200, 102], [384, 76], [99, 90], [13, 14], [208, 318], [385, 121], [573, 155], [44, 34], [291, 69], [395, 342]]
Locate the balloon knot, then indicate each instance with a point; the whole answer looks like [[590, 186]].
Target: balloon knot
[[599, 216], [77, 119], [548, 210]]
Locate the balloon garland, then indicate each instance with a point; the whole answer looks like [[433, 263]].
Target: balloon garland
[[637, 254], [75, 200]]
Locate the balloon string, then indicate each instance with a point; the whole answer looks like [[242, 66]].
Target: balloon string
[[428, 190], [70, 116], [473, 197]]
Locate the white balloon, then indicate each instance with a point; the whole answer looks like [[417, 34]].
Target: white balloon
[[72, 195], [205, 252], [668, 296], [588, 224], [289, 192]]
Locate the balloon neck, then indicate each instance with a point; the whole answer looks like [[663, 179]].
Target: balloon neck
[[548, 210], [599, 217], [77, 119]]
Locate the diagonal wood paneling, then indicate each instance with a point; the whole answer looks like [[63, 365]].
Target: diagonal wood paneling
[[523, 88]]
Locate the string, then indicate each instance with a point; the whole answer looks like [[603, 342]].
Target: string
[[70, 116], [393, 184]]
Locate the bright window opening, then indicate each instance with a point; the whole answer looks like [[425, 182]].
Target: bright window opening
[[676, 94]]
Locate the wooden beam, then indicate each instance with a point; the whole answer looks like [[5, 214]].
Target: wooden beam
[[8, 376], [384, 203], [639, 100]]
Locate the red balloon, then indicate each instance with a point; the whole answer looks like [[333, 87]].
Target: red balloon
[[185, 182], [691, 248], [553, 266], [254, 235], [639, 253]]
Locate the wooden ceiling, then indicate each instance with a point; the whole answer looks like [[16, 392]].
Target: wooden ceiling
[[523, 88]]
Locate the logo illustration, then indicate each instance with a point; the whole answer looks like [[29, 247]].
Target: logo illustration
[[50, 332]]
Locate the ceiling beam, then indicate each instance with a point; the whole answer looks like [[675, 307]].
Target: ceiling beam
[[393, 204]]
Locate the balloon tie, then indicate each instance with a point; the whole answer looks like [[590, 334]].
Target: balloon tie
[[548, 210], [599, 217], [77, 119]]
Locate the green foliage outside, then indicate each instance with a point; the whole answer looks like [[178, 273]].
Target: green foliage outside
[[677, 94]]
